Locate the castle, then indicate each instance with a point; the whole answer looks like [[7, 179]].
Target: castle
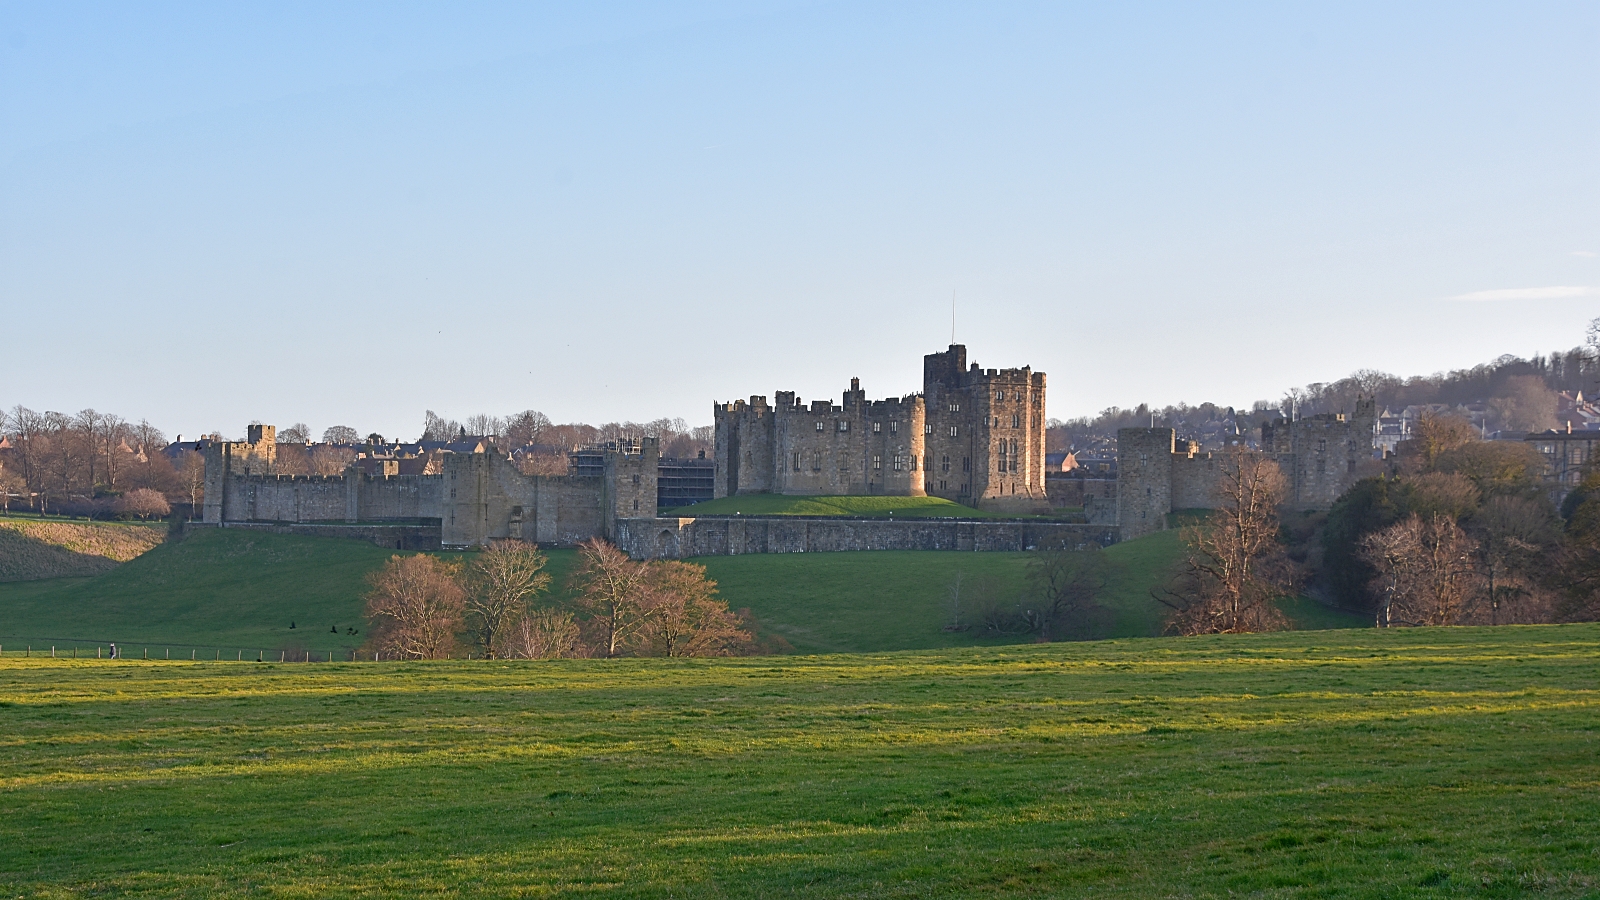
[[1320, 456], [476, 497], [974, 435]]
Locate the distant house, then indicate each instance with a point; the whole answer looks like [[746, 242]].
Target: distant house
[[1059, 462], [1566, 452]]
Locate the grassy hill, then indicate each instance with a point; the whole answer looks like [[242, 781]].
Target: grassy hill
[[1412, 762], [34, 547], [864, 507], [238, 589]]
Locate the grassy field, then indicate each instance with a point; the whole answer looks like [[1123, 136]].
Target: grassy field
[[1404, 763], [240, 590], [871, 507]]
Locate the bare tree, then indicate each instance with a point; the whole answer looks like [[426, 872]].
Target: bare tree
[[28, 428], [525, 428], [298, 433], [1526, 403], [438, 428], [683, 616], [953, 596], [1512, 534], [1426, 571], [415, 605], [11, 485], [87, 426], [191, 469], [1437, 434], [545, 634], [149, 437], [1578, 576], [483, 425], [1068, 584], [341, 434], [141, 503], [609, 587], [1235, 569], [502, 580], [331, 460]]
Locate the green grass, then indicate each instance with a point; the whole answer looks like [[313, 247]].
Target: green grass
[[1406, 763], [238, 589], [861, 507], [216, 588]]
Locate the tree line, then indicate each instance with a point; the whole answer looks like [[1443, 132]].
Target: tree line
[[92, 464], [1520, 395], [1455, 531], [499, 606]]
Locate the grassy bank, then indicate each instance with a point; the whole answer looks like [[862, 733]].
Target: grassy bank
[[36, 547], [1427, 762]]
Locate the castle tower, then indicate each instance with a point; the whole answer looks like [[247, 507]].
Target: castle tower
[[1144, 479], [985, 433], [629, 487]]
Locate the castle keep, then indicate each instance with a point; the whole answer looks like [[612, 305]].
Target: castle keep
[[974, 435]]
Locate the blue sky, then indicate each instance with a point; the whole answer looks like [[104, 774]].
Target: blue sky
[[347, 213]]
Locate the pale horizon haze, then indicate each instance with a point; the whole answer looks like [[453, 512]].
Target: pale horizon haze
[[351, 213]]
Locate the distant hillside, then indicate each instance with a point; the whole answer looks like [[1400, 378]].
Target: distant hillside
[[32, 549]]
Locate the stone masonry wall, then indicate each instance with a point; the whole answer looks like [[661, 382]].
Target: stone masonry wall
[[681, 537]]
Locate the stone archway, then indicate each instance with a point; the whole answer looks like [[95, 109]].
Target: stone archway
[[666, 545]]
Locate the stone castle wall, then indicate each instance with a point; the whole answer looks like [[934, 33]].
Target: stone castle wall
[[723, 536], [475, 498], [1320, 457]]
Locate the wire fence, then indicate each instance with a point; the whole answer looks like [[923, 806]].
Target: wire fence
[[142, 652]]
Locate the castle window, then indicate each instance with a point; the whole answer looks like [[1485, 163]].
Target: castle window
[[944, 465], [955, 430], [1016, 421], [816, 460], [877, 461], [966, 464], [899, 462], [635, 506], [795, 458], [894, 427], [635, 479], [913, 462], [955, 407], [877, 427], [844, 425], [819, 424], [999, 395], [927, 428]]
